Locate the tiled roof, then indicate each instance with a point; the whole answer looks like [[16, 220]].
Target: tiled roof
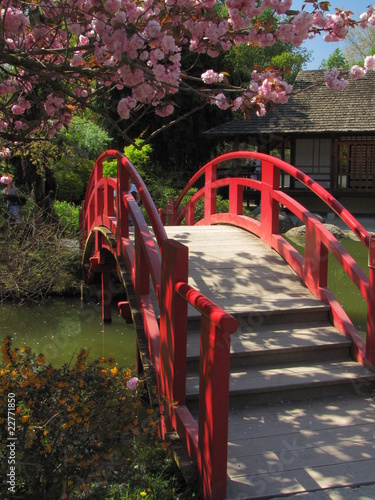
[[313, 108]]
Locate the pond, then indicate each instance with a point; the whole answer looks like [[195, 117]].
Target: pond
[[60, 327], [342, 287]]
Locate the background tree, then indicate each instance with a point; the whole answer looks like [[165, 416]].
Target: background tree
[[359, 44], [335, 60]]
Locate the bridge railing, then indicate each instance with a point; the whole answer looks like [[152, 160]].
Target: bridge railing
[[108, 206], [312, 267]]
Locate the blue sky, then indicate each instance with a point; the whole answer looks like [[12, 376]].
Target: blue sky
[[320, 48]]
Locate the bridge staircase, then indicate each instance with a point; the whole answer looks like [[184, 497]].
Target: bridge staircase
[[263, 378], [285, 347]]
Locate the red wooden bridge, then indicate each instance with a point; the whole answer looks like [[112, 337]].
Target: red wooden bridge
[[261, 375]]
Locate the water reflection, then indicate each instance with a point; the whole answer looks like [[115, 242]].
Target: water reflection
[[61, 327], [341, 285]]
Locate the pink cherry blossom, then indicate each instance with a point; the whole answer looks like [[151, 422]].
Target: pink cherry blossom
[[124, 107], [210, 76], [165, 110], [357, 72], [334, 80], [221, 101], [132, 383], [136, 47], [370, 63]]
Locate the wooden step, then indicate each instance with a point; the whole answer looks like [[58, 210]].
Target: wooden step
[[279, 343], [285, 382]]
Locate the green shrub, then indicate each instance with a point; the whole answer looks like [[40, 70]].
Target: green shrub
[[71, 174], [67, 215]]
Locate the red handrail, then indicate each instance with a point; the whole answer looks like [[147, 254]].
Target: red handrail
[[312, 268], [168, 270]]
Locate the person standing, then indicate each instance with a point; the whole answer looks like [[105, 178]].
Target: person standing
[[12, 201]]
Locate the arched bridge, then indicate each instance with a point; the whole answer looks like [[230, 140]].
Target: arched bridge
[[236, 321]]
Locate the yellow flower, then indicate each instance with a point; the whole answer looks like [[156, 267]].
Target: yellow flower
[[3, 371], [128, 373], [114, 371], [143, 494], [22, 350], [14, 373]]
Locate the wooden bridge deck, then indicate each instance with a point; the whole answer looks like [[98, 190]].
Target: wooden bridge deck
[[299, 421]]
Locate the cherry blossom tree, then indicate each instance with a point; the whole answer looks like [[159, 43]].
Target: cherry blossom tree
[[61, 56]]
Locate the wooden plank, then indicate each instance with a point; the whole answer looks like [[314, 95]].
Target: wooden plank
[[262, 486], [358, 434], [257, 379], [290, 449], [277, 338], [315, 415]]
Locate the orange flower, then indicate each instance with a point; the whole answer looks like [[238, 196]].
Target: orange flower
[[25, 419], [114, 371], [41, 360]]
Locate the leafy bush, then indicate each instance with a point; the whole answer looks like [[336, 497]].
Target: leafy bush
[[67, 215], [222, 205], [81, 430], [71, 174]]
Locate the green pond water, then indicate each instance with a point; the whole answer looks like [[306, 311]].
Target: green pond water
[[61, 327], [342, 287]]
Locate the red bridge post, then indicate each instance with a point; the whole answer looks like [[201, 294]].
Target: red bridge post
[[269, 215], [173, 322], [213, 410], [370, 335], [210, 192]]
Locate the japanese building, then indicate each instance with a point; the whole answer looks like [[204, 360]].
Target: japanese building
[[328, 135]]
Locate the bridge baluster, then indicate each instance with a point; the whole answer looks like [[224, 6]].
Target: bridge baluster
[[269, 206], [213, 410], [235, 198], [316, 259], [173, 322], [370, 335], [121, 212], [210, 192]]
